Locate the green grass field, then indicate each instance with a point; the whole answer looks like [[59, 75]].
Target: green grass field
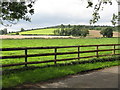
[[11, 43], [49, 31], [44, 74], [40, 31], [52, 42], [20, 77]]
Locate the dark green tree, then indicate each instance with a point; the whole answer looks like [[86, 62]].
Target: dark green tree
[[62, 26], [4, 31], [17, 33], [22, 29], [100, 6], [14, 10], [56, 32], [1, 32], [69, 26], [74, 31], [108, 32], [84, 32]]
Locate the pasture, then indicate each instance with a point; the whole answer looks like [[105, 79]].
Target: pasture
[[52, 42], [12, 43], [50, 31], [12, 79], [40, 31]]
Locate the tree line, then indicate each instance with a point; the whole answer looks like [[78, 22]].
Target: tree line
[[69, 30], [78, 30]]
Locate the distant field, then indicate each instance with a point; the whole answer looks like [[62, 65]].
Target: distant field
[[17, 78], [10, 43], [96, 33], [50, 31], [40, 31]]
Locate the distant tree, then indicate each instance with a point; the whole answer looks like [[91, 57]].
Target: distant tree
[[13, 10], [62, 26], [56, 32], [62, 32], [108, 32], [69, 26], [1, 32], [5, 30], [22, 29], [84, 32], [17, 33], [74, 31], [118, 28]]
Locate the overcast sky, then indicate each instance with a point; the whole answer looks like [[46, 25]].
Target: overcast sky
[[56, 12]]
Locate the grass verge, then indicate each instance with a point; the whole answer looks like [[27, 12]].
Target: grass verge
[[44, 74]]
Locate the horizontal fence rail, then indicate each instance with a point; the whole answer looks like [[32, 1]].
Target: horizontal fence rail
[[26, 55]]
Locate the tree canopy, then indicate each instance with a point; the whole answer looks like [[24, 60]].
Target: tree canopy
[[75, 30], [99, 6], [14, 10], [108, 32]]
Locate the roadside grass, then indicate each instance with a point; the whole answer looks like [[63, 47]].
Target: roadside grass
[[43, 74]]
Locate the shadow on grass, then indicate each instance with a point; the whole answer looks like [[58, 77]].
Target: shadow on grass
[[94, 60]]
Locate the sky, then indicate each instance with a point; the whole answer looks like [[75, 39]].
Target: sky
[[56, 12]]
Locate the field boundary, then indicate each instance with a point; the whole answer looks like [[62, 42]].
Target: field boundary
[[78, 52]]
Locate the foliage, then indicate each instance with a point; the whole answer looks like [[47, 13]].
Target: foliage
[[4, 31], [76, 30], [100, 6], [22, 29], [17, 33], [84, 33], [55, 29], [13, 11], [108, 32]]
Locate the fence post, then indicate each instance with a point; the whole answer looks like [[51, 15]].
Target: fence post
[[97, 52], [114, 50], [25, 57], [55, 55], [78, 52]]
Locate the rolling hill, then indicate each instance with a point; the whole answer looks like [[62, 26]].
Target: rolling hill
[[50, 31]]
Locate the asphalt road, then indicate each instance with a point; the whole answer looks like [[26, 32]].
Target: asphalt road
[[105, 78]]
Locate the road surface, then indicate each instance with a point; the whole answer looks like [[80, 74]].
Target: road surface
[[105, 78]]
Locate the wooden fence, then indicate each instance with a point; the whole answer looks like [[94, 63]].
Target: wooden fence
[[78, 52]]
